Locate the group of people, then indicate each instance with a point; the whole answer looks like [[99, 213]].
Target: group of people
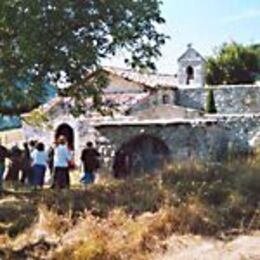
[[29, 165]]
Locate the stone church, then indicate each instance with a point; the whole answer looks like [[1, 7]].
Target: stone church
[[155, 116], [134, 95]]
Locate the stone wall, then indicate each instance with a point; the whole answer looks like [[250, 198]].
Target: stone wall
[[241, 129], [211, 139], [183, 140], [229, 99]]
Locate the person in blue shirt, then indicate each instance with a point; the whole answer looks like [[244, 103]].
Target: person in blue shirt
[[39, 165], [61, 160]]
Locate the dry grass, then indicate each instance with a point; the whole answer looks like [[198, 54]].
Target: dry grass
[[130, 219], [119, 236]]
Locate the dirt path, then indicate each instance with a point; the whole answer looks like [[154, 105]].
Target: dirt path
[[198, 248]]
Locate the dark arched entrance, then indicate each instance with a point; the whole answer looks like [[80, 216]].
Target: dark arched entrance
[[143, 153], [67, 131], [190, 74]]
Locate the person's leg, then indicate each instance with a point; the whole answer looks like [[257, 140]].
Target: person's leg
[[42, 175], [30, 175], [51, 172], [2, 170], [58, 178], [67, 177], [62, 177], [92, 177], [35, 176], [15, 175], [84, 177], [54, 181], [89, 178], [24, 175]]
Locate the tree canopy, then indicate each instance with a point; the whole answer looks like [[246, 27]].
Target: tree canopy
[[233, 64], [44, 42]]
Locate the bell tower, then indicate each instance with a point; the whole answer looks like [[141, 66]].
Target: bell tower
[[191, 68]]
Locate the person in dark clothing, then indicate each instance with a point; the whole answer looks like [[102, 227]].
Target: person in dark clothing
[[50, 154], [50, 159], [26, 165], [122, 164], [90, 160], [32, 145], [15, 164], [3, 155]]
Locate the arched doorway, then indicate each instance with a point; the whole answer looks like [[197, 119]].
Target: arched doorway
[[143, 153], [67, 131], [189, 74]]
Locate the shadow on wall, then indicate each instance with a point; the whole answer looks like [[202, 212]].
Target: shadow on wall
[[143, 153], [188, 101]]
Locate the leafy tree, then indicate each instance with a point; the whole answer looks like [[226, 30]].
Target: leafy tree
[[232, 64], [48, 42], [256, 49], [210, 105]]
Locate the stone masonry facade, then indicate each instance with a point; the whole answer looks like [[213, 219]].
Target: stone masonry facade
[[212, 139], [228, 99], [235, 129]]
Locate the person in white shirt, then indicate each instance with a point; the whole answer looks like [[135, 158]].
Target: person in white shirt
[[62, 157], [39, 165]]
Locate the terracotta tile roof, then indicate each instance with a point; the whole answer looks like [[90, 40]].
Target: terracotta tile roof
[[122, 102], [148, 79]]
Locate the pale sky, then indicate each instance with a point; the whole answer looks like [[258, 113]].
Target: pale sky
[[206, 24]]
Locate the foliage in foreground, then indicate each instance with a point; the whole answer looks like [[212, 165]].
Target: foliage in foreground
[[130, 219], [73, 39]]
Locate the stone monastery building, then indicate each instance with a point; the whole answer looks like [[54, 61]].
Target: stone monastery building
[[157, 116]]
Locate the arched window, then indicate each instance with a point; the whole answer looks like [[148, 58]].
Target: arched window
[[189, 74]]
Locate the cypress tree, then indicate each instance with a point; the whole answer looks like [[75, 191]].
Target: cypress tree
[[210, 105]]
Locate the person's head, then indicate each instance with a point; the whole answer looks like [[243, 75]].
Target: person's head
[[25, 145], [40, 147], [62, 140], [89, 144], [32, 143]]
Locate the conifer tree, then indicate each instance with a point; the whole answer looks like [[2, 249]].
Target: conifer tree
[[210, 105]]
